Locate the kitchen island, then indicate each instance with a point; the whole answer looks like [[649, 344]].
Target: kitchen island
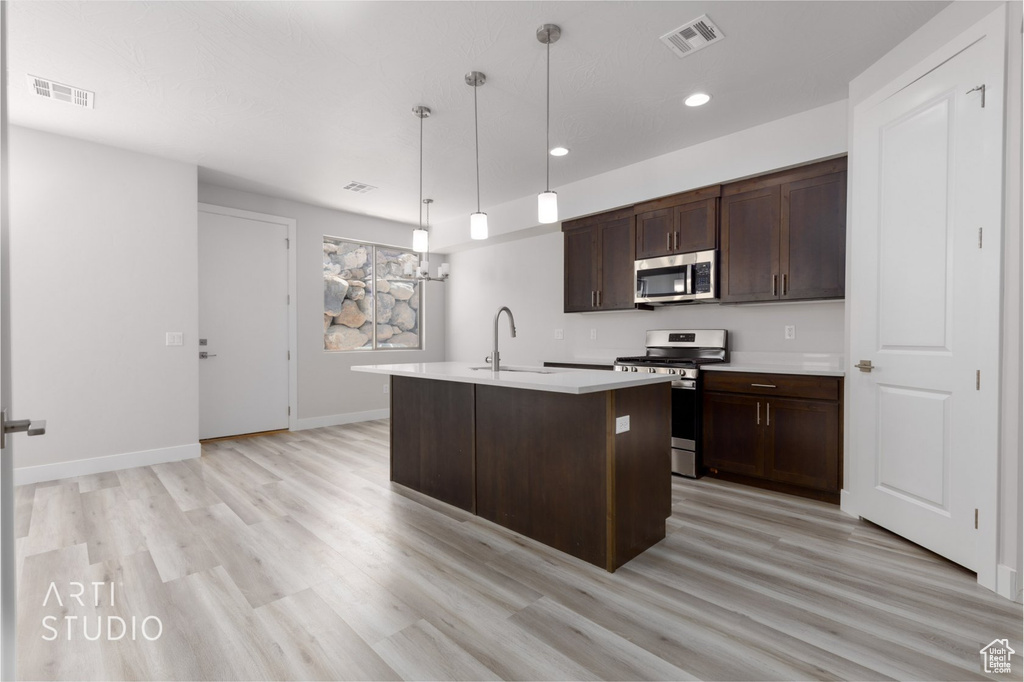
[[541, 451]]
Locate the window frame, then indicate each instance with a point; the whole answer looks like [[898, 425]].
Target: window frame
[[374, 348]]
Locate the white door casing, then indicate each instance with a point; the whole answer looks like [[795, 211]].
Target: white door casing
[[924, 297], [245, 286]]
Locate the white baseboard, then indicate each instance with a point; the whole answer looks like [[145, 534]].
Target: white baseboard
[[846, 504], [99, 465], [336, 419], [1007, 584]]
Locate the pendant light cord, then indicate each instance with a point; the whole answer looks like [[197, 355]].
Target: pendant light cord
[[421, 170], [547, 139], [476, 131]]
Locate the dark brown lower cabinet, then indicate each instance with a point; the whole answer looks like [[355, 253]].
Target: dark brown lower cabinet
[[782, 432], [546, 465]]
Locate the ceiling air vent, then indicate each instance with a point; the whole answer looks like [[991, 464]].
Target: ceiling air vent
[[64, 93], [692, 36], [359, 187]]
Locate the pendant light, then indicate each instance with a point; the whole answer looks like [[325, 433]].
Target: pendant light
[[547, 201], [420, 238], [478, 220]]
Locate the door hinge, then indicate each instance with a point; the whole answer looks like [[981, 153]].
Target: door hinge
[[288, 299], [975, 519], [982, 88], [289, 410], [979, 237], [289, 355], [287, 243], [977, 381]]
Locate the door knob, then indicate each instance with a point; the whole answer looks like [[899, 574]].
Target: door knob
[[864, 366], [204, 355], [27, 426]]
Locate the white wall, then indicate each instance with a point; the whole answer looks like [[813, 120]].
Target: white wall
[[943, 28], [328, 391], [526, 273], [103, 264]]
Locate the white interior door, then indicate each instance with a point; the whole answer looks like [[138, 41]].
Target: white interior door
[[8, 570], [243, 316], [924, 304]]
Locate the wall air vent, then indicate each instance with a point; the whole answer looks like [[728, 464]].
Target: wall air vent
[[359, 187], [692, 36], [64, 93]]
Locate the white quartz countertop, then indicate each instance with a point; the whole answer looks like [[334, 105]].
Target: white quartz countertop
[[555, 379], [815, 370]]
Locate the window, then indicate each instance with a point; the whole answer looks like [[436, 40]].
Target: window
[[369, 301]]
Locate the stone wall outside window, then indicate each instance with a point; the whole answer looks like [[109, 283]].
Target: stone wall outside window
[[369, 303]]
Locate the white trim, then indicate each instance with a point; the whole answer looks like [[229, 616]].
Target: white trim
[[293, 325], [1007, 583], [99, 465], [846, 503], [336, 419]]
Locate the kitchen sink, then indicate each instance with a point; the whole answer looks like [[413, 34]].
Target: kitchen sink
[[515, 369]]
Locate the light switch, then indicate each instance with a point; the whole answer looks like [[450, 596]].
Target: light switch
[[559, 334], [175, 338], [622, 424]]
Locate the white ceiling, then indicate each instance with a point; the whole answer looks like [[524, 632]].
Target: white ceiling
[[296, 99]]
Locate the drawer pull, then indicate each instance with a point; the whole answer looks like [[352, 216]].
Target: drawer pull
[[763, 385]]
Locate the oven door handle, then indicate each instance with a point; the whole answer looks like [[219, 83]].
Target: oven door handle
[[685, 384]]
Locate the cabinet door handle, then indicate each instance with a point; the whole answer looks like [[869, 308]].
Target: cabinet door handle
[[784, 278], [775, 285], [593, 299], [668, 241], [598, 298], [763, 385], [759, 412], [768, 412]]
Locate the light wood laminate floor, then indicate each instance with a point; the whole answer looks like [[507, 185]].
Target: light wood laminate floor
[[292, 556]]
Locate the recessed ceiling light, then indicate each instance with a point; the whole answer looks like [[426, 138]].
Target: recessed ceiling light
[[559, 151], [697, 99]]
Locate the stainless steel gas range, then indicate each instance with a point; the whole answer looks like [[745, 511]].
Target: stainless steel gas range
[[681, 352]]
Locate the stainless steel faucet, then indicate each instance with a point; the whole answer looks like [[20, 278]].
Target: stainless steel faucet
[[494, 358]]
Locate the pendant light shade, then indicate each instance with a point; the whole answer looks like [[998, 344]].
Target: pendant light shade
[[420, 241], [547, 201], [478, 220], [547, 207], [478, 225]]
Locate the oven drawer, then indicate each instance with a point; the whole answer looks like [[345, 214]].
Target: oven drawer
[[789, 385]]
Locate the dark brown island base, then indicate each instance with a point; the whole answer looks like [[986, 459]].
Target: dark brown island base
[[538, 453]]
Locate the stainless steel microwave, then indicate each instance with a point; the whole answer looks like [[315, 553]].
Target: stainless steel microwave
[[681, 278]]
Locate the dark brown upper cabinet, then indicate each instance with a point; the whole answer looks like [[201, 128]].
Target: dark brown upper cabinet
[[680, 223], [599, 255], [783, 235]]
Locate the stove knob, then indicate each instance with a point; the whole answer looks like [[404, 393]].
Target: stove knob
[[632, 369], [673, 371]]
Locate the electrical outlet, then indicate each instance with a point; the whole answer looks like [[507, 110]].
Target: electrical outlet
[[593, 335], [385, 388], [790, 331], [174, 339], [622, 424], [559, 334]]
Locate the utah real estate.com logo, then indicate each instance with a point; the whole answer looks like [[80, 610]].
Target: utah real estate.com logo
[[995, 657]]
